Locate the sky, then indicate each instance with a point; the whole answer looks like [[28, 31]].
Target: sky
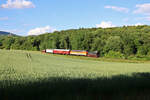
[[34, 17]]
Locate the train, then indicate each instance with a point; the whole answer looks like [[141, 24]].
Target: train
[[72, 52]]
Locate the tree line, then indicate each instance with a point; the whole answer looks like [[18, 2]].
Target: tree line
[[120, 42]]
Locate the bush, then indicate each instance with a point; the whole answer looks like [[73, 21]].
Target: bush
[[148, 54], [113, 54], [142, 51]]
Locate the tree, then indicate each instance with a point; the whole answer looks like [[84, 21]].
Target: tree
[[114, 43]]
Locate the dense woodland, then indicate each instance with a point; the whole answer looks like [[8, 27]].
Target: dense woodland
[[118, 42]]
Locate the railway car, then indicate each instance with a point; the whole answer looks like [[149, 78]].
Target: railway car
[[49, 51], [93, 54], [78, 52], [61, 51], [43, 51]]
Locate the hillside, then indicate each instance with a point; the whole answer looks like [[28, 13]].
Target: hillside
[[118, 42], [5, 33]]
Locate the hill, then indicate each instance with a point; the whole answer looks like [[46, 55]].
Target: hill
[[118, 42], [6, 33]]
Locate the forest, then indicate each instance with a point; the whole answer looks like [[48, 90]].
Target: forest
[[118, 42]]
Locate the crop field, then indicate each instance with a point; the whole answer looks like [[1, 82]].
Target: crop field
[[32, 75]]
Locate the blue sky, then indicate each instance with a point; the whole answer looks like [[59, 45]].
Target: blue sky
[[31, 17]]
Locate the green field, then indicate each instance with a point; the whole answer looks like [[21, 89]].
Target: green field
[[25, 74]]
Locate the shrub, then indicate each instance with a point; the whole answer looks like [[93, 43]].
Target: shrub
[[113, 54]]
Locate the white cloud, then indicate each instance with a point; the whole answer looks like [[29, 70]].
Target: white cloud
[[142, 8], [41, 30], [109, 24], [138, 24], [3, 18], [106, 24], [120, 9], [18, 4]]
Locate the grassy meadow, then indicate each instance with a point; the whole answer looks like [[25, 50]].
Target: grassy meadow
[[26, 75]]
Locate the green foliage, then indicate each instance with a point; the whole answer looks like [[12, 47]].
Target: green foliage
[[142, 50], [113, 43], [114, 54], [7, 42], [128, 40]]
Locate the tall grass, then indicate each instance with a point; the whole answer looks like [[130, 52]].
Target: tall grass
[[28, 75]]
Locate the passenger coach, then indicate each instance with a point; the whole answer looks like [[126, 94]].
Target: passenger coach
[[49, 51], [79, 52], [61, 51], [71, 52]]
